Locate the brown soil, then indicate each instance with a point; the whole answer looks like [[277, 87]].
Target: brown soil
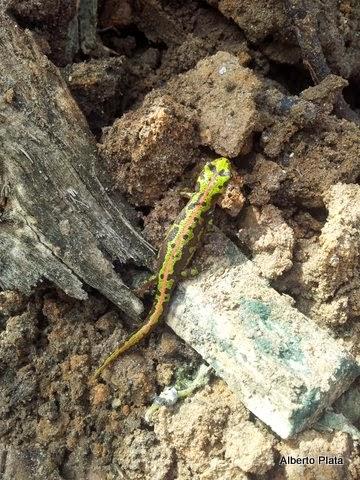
[[179, 83]]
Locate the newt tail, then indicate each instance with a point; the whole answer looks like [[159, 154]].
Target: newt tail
[[179, 246]]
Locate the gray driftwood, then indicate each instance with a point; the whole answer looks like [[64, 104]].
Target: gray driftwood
[[58, 222]]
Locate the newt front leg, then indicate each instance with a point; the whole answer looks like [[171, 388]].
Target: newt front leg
[[179, 246]]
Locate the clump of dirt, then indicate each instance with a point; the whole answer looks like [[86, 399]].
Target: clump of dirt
[[136, 144], [315, 160], [52, 23], [258, 19], [98, 86], [269, 238], [331, 271], [49, 346], [219, 89], [172, 85], [162, 216], [208, 433], [264, 180], [174, 120], [314, 444]]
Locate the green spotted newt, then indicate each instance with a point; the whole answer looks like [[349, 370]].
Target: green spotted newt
[[179, 247]]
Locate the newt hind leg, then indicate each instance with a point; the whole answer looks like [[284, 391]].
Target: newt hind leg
[[189, 273]]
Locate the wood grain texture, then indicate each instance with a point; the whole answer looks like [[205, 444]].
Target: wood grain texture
[[58, 222]]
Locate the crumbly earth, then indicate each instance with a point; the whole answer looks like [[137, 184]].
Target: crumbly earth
[[181, 83]]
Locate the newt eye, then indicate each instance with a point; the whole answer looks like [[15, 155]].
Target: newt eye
[[212, 167]]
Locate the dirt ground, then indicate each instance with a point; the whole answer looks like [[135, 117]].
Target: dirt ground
[[177, 83]]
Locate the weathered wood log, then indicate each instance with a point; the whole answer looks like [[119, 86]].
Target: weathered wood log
[[58, 223]]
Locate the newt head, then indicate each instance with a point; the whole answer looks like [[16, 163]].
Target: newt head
[[217, 174]]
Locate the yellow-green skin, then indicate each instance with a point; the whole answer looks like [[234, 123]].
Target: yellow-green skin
[[179, 246]]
